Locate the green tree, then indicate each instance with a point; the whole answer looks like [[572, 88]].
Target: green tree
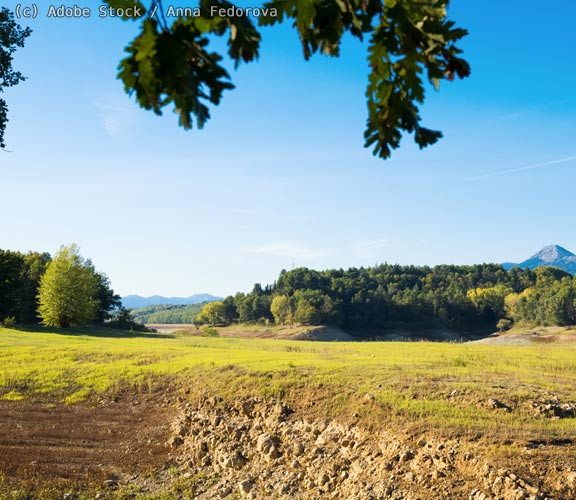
[[306, 313], [35, 265], [19, 280], [68, 290], [313, 307], [281, 309], [11, 268], [11, 37], [230, 313], [108, 301], [213, 313], [409, 41]]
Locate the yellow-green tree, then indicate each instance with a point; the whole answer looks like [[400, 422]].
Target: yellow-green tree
[[213, 313], [489, 299], [68, 290], [281, 309], [513, 302]]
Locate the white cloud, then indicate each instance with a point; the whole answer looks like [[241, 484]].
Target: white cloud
[[294, 251]]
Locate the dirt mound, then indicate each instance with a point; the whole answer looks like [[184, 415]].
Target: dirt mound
[[244, 331], [325, 334], [530, 336]]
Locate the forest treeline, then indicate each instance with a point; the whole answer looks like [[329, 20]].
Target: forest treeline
[[370, 300], [64, 290], [67, 290]]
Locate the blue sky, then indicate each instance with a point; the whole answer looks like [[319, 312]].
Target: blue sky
[[279, 176]]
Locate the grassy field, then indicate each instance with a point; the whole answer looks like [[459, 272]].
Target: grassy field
[[437, 385]]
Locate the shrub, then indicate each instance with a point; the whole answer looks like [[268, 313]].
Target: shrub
[[9, 322]]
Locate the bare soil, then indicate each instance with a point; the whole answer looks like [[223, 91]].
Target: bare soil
[[104, 441], [318, 333], [536, 335]]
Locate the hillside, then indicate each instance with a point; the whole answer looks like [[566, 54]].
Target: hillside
[[551, 255], [167, 314]]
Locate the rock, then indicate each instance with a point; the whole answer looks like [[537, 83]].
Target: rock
[[234, 461], [495, 404], [259, 449], [297, 449], [176, 441], [264, 443], [245, 486], [436, 474], [227, 491], [322, 479]]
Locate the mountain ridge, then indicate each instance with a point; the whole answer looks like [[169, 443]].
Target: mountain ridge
[[138, 301], [550, 255]]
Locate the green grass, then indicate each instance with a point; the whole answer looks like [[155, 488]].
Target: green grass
[[411, 383]]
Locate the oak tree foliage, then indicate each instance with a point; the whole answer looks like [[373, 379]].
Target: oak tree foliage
[[12, 36], [409, 42]]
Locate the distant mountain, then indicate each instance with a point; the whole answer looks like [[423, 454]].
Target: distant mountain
[[552, 255], [136, 301]]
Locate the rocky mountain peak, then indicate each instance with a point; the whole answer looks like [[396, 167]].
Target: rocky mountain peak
[[552, 253]]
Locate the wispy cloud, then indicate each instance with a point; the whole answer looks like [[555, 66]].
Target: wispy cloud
[[294, 251], [371, 248], [522, 169], [509, 116], [117, 119]]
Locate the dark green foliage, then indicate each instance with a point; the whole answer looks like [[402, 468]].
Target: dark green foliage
[[11, 268], [108, 301], [122, 319], [373, 299], [255, 306], [19, 280], [410, 41], [552, 301], [11, 37], [230, 313], [171, 64], [35, 265], [312, 307], [411, 38], [464, 297]]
